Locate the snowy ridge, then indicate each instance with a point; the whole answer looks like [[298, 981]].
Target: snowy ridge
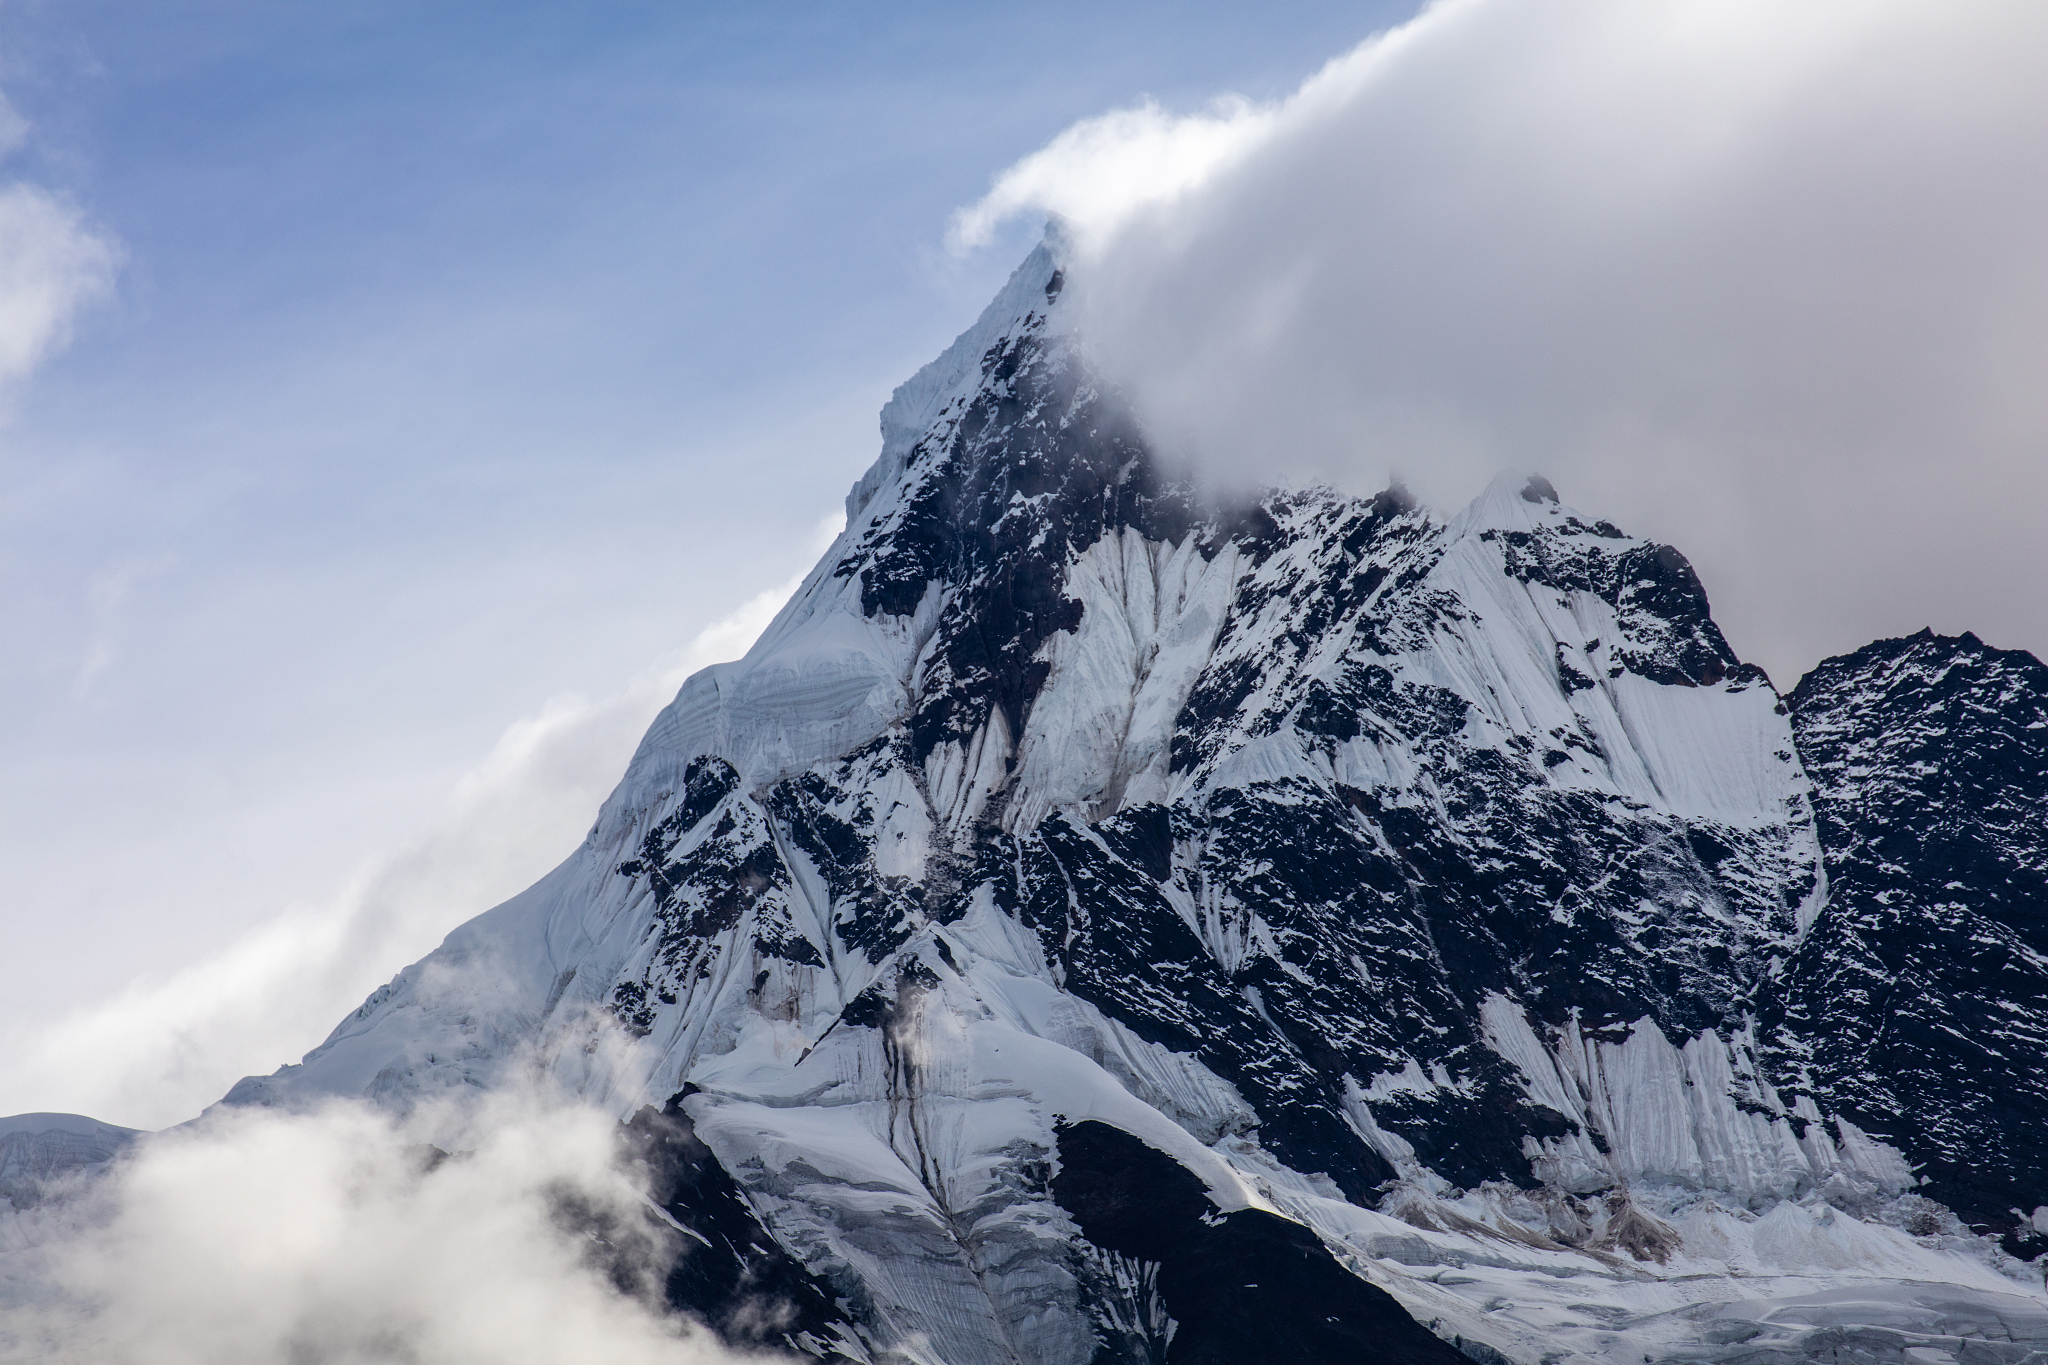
[[45, 1161], [920, 404], [1445, 887], [39, 1150]]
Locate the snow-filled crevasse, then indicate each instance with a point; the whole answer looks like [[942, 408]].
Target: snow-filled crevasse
[[1437, 886]]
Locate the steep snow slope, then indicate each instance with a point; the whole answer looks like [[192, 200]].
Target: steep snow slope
[[1417, 884]]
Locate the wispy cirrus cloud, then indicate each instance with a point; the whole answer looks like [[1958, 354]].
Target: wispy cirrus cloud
[[54, 262]]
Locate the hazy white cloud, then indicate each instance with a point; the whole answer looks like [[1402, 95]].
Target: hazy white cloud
[[1101, 170], [108, 595], [1763, 280], [52, 264], [160, 1050], [13, 127], [257, 1236]]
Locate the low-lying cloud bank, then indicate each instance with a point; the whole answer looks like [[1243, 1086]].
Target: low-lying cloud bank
[[341, 1236], [1765, 281]]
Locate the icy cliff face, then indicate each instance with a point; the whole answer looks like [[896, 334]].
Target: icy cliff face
[[1424, 894]]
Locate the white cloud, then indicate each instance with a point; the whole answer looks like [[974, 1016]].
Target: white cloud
[[1101, 170], [52, 264], [157, 1052], [1762, 280], [258, 1236]]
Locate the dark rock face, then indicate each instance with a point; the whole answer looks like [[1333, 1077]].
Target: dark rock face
[[1039, 466], [1507, 884], [727, 1271], [1919, 1002], [1244, 1287]]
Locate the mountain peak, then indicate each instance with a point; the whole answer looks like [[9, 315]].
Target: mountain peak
[[1426, 893], [1029, 303], [1514, 501]]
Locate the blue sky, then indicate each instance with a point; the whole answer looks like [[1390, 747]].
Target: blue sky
[[461, 357]]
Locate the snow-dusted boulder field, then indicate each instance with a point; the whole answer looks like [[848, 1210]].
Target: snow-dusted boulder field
[[1094, 926]]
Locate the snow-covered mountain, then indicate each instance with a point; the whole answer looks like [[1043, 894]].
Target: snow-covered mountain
[[44, 1160], [37, 1151], [1091, 925]]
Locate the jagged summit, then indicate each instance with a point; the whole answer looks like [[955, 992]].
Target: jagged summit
[[1027, 303], [1419, 890]]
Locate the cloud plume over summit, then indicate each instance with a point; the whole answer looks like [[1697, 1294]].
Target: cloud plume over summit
[[1764, 281]]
